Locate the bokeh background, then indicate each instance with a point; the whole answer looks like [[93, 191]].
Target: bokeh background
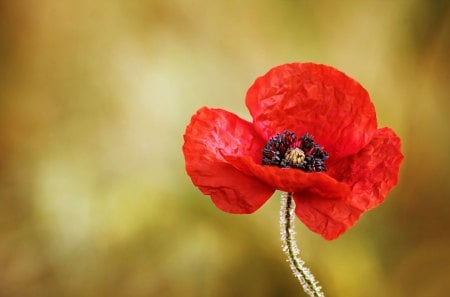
[[95, 97]]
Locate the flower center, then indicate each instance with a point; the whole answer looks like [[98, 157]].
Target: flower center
[[286, 151]]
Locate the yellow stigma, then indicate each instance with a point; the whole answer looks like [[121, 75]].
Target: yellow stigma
[[294, 156]]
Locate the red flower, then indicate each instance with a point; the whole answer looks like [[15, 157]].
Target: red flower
[[223, 152]]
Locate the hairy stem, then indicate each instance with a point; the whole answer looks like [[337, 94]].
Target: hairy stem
[[302, 273]]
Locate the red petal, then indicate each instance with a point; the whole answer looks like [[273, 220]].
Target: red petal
[[317, 99], [291, 180], [370, 174], [210, 132], [373, 172], [322, 202], [324, 215]]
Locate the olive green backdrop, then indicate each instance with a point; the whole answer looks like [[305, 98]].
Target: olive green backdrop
[[95, 97]]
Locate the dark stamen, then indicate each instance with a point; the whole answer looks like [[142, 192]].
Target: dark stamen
[[284, 150], [307, 141]]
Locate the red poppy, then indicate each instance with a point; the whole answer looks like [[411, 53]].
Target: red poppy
[[224, 153]]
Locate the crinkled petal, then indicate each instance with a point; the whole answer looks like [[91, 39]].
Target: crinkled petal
[[291, 180], [323, 203], [370, 175], [373, 172], [210, 132], [324, 215], [314, 98]]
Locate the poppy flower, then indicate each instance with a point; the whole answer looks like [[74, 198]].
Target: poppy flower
[[314, 134]]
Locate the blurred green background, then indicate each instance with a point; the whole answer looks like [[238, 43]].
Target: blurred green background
[[95, 97]]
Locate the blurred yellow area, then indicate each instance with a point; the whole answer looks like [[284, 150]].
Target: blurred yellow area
[[94, 100]]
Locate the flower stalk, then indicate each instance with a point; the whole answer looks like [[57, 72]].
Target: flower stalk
[[290, 248]]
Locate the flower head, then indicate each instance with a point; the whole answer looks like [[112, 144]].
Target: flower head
[[314, 134]]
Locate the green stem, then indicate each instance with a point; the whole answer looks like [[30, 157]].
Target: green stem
[[302, 273]]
